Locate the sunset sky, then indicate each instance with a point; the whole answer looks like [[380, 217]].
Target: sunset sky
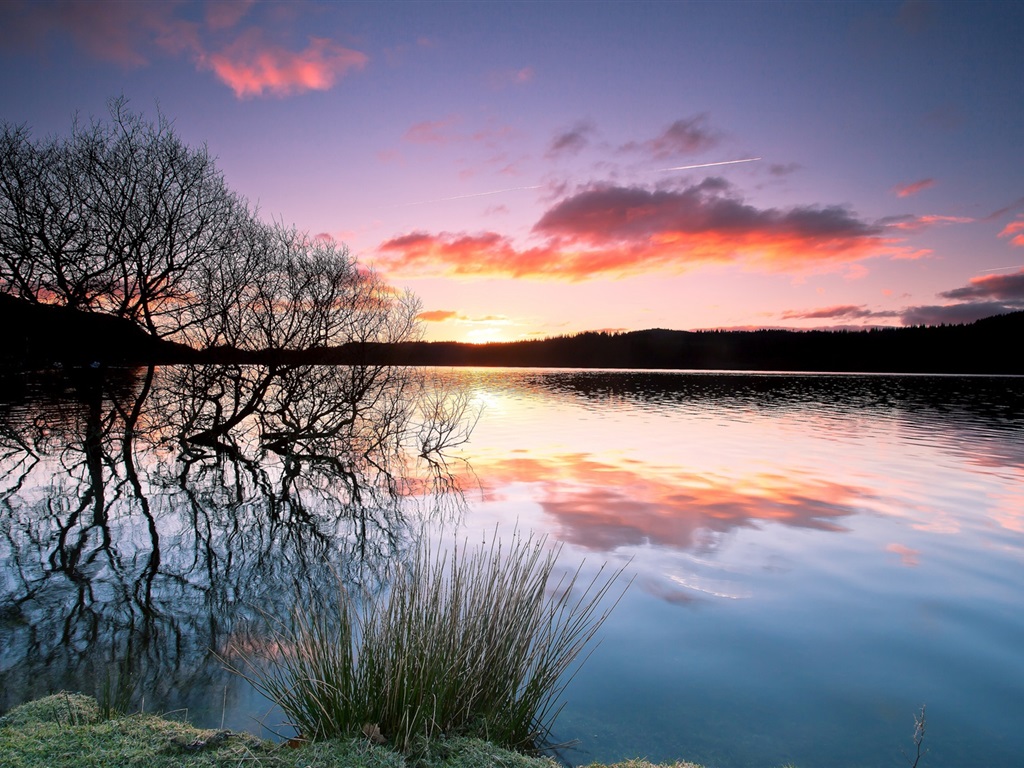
[[542, 168]]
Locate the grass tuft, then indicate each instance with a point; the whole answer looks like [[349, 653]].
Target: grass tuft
[[476, 644], [60, 709]]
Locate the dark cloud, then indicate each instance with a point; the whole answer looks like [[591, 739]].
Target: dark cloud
[[1006, 288], [783, 169], [844, 311], [631, 213], [953, 314], [982, 297], [571, 142], [688, 136]]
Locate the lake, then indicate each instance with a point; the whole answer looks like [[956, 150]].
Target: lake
[[814, 557]]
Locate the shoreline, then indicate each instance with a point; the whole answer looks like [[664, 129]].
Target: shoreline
[[70, 730]]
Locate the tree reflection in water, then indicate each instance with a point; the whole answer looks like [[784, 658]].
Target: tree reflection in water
[[146, 515]]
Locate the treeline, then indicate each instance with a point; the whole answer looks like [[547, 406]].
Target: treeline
[[986, 346], [40, 334]]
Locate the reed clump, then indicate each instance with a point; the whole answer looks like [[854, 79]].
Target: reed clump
[[476, 643]]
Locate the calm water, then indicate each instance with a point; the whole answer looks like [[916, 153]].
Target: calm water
[[814, 557]]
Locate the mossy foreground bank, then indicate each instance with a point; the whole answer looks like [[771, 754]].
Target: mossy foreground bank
[[68, 730]]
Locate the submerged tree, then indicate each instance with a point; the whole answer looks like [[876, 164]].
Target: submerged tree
[[122, 217]]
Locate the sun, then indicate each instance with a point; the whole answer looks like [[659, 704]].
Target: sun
[[486, 335]]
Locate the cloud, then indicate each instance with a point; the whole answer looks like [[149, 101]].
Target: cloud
[[615, 231], [121, 33], [843, 311], [1009, 288], [252, 67], [906, 190], [1005, 209], [1015, 231], [130, 34], [437, 316], [952, 314], [982, 297], [572, 141], [688, 136], [443, 315], [909, 223], [783, 169]]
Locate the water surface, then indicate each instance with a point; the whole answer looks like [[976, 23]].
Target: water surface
[[814, 557]]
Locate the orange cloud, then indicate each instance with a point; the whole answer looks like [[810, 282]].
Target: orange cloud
[[621, 231], [252, 67], [906, 190], [437, 316], [1015, 231]]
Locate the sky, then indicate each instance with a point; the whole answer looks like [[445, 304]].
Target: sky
[[533, 169]]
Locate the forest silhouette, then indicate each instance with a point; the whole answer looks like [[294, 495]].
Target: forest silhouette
[[39, 335]]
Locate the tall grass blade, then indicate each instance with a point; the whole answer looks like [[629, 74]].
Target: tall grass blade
[[469, 643]]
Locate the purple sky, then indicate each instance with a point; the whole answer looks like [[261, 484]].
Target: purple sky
[[509, 162]]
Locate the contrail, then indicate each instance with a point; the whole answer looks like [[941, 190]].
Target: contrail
[[1004, 269], [465, 197], [708, 165]]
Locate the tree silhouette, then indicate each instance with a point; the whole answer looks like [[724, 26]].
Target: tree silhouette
[[122, 217]]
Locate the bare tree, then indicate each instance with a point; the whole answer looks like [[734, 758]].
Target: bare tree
[[122, 217], [116, 218], [284, 289]]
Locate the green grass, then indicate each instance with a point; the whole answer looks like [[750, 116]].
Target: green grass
[[473, 644], [67, 731]]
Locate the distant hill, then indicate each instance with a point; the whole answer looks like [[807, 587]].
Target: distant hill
[[986, 346], [42, 334], [38, 334]]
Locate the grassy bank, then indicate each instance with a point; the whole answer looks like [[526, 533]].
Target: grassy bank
[[66, 730]]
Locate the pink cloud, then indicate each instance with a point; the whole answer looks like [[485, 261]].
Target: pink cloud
[[1015, 231], [129, 33], [252, 67], [906, 190], [621, 231]]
